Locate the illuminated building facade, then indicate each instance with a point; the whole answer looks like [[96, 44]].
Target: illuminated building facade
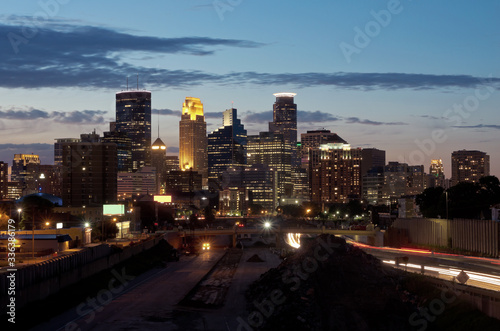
[[285, 122], [336, 173], [133, 116], [469, 166], [436, 172], [171, 163], [270, 149], [314, 139], [89, 173], [193, 138], [183, 181], [226, 147], [158, 161], [141, 182], [4, 179], [400, 179]]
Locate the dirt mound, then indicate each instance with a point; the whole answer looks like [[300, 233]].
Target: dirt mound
[[255, 258], [328, 285]]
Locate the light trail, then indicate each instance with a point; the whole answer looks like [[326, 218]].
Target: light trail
[[453, 272], [293, 239]]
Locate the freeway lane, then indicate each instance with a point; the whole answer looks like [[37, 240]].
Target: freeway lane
[[482, 272], [146, 301]]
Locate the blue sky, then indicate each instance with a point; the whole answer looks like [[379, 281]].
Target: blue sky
[[418, 79]]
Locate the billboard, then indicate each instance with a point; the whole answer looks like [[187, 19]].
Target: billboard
[[163, 198], [111, 210]]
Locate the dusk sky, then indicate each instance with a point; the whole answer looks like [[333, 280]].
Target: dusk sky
[[419, 79]]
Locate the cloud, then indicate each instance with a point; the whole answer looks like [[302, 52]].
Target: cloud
[[71, 54], [357, 120], [217, 114], [167, 112], [72, 117], [315, 116], [258, 117], [479, 126], [431, 117], [172, 149]]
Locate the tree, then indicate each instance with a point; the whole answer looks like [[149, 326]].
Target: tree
[[464, 200], [37, 208], [432, 202]]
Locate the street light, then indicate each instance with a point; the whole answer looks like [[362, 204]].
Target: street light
[[19, 213]]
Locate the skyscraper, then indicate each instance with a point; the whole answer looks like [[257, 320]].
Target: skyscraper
[[123, 148], [285, 122], [133, 116], [58, 148], [158, 161], [226, 147], [193, 138], [270, 149], [436, 172], [20, 172], [469, 166]]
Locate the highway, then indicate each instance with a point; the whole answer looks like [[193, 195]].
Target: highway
[[481, 272]]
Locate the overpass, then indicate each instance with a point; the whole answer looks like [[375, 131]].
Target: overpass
[[279, 231]]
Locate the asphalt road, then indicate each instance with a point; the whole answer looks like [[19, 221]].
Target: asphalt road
[[150, 302]]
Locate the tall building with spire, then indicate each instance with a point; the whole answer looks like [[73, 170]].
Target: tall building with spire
[[193, 138], [133, 116], [285, 122], [158, 160]]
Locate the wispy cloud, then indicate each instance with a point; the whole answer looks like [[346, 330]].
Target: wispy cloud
[[357, 120], [478, 126], [72, 117], [71, 54], [166, 111], [315, 116]]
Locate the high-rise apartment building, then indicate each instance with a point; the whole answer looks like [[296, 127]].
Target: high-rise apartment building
[[285, 122], [400, 180], [226, 148], [133, 116], [469, 166], [313, 139], [89, 173], [193, 138], [336, 173]]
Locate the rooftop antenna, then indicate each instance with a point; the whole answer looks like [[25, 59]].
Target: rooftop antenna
[[127, 83], [232, 104], [137, 81], [158, 122]]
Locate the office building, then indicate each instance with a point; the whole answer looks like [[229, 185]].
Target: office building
[[285, 122], [133, 116], [372, 158], [270, 149], [89, 173], [226, 148], [193, 138], [123, 149], [183, 181], [469, 166], [141, 182], [4, 179], [171, 163], [312, 140], [436, 174]]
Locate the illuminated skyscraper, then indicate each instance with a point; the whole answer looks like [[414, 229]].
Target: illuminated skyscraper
[[285, 122], [4, 179], [436, 172], [226, 147], [193, 138], [133, 116], [20, 172], [469, 166]]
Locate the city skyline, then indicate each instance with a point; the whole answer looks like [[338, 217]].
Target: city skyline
[[407, 88]]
